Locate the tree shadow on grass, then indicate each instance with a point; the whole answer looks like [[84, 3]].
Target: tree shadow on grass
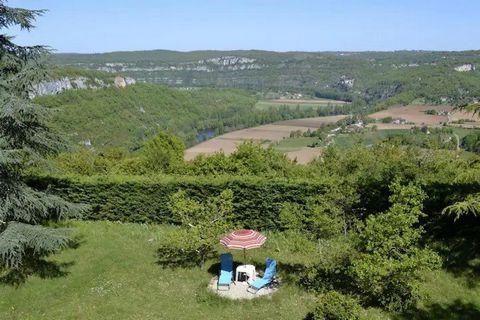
[[309, 316], [38, 266], [214, 269], [461, 255], [457, 310]]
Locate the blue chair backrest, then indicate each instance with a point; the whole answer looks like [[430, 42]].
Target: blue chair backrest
[[270, 269], [226, 262]]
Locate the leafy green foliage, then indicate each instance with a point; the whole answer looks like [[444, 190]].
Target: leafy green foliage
[[291, 217], [203, 223], [250, 158], [328, 268], [471, 142], [257, 201], [163, 153], [86, 162], [391, 263], [336, 306], [326, 215]]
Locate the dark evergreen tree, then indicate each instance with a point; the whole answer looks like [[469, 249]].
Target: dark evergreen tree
[[25, 213]]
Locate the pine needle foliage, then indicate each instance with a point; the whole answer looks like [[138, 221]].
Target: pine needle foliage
[[469, 206], [25, 213]]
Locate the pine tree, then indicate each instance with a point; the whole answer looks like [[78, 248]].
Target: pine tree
[[25, 213]]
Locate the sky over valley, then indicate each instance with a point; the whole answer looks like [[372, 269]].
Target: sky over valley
[[280, 25]]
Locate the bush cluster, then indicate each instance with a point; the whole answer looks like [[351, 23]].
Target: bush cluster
[[336, 306], [257, 201]]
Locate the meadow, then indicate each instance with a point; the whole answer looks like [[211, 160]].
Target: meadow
[[112, 272]]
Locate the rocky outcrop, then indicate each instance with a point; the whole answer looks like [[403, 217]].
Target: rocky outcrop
[[465, 67], [56, 86], [50, 87], [129, 81], [120, 82], [222, 63]]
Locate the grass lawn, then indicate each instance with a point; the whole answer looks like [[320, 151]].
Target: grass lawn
[[113, 274]]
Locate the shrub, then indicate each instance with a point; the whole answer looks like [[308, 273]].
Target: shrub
[[330, 270], [257, 201], [336, 306], [163, 153], [291, 217], [324, 216], [202, 224], [180, 249], [391, 262], [387, 120]]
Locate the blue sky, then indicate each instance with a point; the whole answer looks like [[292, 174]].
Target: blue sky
[[280, 25]]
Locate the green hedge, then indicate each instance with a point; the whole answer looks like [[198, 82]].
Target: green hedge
[[142, 199]]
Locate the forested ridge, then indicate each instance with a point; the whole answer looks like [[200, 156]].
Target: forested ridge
[[393, 77], [126, 117]]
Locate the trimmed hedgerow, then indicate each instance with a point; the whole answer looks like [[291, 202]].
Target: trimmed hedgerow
[[257, 201]]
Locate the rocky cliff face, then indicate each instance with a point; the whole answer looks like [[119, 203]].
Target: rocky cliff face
[[465, 67], [56, 86]]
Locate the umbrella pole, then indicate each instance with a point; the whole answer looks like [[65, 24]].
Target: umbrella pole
[[244, 257]]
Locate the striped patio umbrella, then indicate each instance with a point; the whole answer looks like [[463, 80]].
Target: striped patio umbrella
[[243, 239]]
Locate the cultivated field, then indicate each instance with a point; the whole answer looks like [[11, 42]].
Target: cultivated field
[[415, 114], [296, 148], [302, 103], [271, 132], [471, 120]]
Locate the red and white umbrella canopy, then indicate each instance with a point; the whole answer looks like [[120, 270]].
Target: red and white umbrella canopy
[[243, 239]]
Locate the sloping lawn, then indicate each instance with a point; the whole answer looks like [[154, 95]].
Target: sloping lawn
[[113, 274]]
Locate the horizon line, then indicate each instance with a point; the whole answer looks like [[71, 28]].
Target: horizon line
[[271, 51]]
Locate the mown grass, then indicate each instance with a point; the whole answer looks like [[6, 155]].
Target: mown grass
[[113, 274]]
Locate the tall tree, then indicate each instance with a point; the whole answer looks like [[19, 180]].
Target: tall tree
[[25, 213]]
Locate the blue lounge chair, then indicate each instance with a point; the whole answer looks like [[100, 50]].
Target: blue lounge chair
[[268, 276], [226, 270]]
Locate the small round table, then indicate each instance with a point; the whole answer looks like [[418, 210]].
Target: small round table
[[245, 273]]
